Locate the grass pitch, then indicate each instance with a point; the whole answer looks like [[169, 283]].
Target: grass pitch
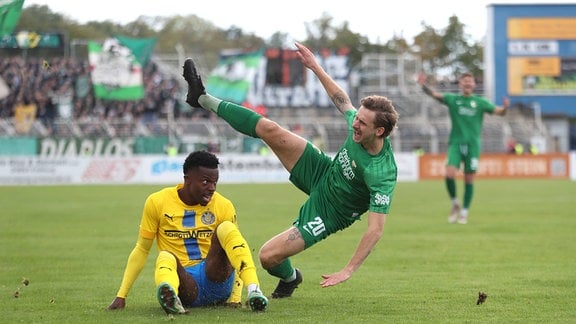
[[519, 247]]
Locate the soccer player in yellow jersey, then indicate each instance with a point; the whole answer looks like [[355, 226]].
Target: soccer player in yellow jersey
[[201, 250], [359, 180]]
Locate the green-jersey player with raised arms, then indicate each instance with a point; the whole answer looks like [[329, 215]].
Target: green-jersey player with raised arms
[[466, 111], [359, 179]]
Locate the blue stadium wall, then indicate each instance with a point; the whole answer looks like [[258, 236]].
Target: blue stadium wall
[[530, 56]]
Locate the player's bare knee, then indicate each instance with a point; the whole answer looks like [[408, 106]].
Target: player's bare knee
[[267, 127], [266, 258]]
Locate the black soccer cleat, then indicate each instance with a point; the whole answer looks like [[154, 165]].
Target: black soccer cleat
[[195, 86], [285, 289]]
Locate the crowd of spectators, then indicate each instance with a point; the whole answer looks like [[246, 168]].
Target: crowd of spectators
[[61, 88]]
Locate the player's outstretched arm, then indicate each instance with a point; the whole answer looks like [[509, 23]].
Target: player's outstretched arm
[[428, 90], [134, 265], [501, 110], [369, 240], [339, 97]]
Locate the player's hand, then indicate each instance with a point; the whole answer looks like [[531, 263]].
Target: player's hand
[[506, 103], [118, 303], [422, 78], [335, 278], [306, 56]]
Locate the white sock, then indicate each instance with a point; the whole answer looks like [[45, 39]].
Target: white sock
[[455, 202], [253, 287], [209, 102], [292, 277]]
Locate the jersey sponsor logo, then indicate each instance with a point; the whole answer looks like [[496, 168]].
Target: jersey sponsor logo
[[381, 199], [346, 165], [188, 234], [467, 111], [208, 218]]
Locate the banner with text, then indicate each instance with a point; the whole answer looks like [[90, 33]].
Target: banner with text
[[152, 169], [504, 166]]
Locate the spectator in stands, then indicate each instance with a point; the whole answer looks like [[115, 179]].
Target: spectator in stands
[[511, 145], [24, 114], [418, 150], [171, 150], [64, 99], [63, 83], [466, 113], [46, 112], [519, 148], [150, 114], [360, 178]]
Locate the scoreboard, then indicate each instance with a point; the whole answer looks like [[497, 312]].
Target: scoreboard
[[530, 56]]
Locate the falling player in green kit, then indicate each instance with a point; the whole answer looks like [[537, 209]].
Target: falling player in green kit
[[467, 114], [360, 178]]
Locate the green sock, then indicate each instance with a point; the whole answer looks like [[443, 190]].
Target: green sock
[[451, 187], [240, 118], [468, 194], [283, 271]]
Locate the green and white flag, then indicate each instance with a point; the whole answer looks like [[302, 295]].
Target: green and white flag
[[115, 72], [141, 48], [233, 76], [10, 11]]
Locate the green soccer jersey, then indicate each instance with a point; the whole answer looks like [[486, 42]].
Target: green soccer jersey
[[358, 181], [467, 115], [342, 188]]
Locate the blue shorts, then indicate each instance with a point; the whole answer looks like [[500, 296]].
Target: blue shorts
[[209, 293]]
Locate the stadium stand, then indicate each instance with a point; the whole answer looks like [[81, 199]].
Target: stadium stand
[[66, 107]]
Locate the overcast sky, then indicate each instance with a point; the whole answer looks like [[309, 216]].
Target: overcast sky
[[378, 20]]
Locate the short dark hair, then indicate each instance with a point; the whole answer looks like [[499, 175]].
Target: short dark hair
[[200, 159]]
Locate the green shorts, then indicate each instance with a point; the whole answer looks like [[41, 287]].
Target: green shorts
[[308, 175], [467, 154]]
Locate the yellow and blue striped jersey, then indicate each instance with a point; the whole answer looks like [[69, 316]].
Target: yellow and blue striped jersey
[[181, 229]]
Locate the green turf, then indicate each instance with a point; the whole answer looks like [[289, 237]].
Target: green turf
[[71, 243]]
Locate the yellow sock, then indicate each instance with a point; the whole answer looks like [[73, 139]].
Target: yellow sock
[[166, 270], [238, 252], [236, 294]]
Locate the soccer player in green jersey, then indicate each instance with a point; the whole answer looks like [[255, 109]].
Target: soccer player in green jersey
[[203, 258], [360, 178], [466, 112]]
